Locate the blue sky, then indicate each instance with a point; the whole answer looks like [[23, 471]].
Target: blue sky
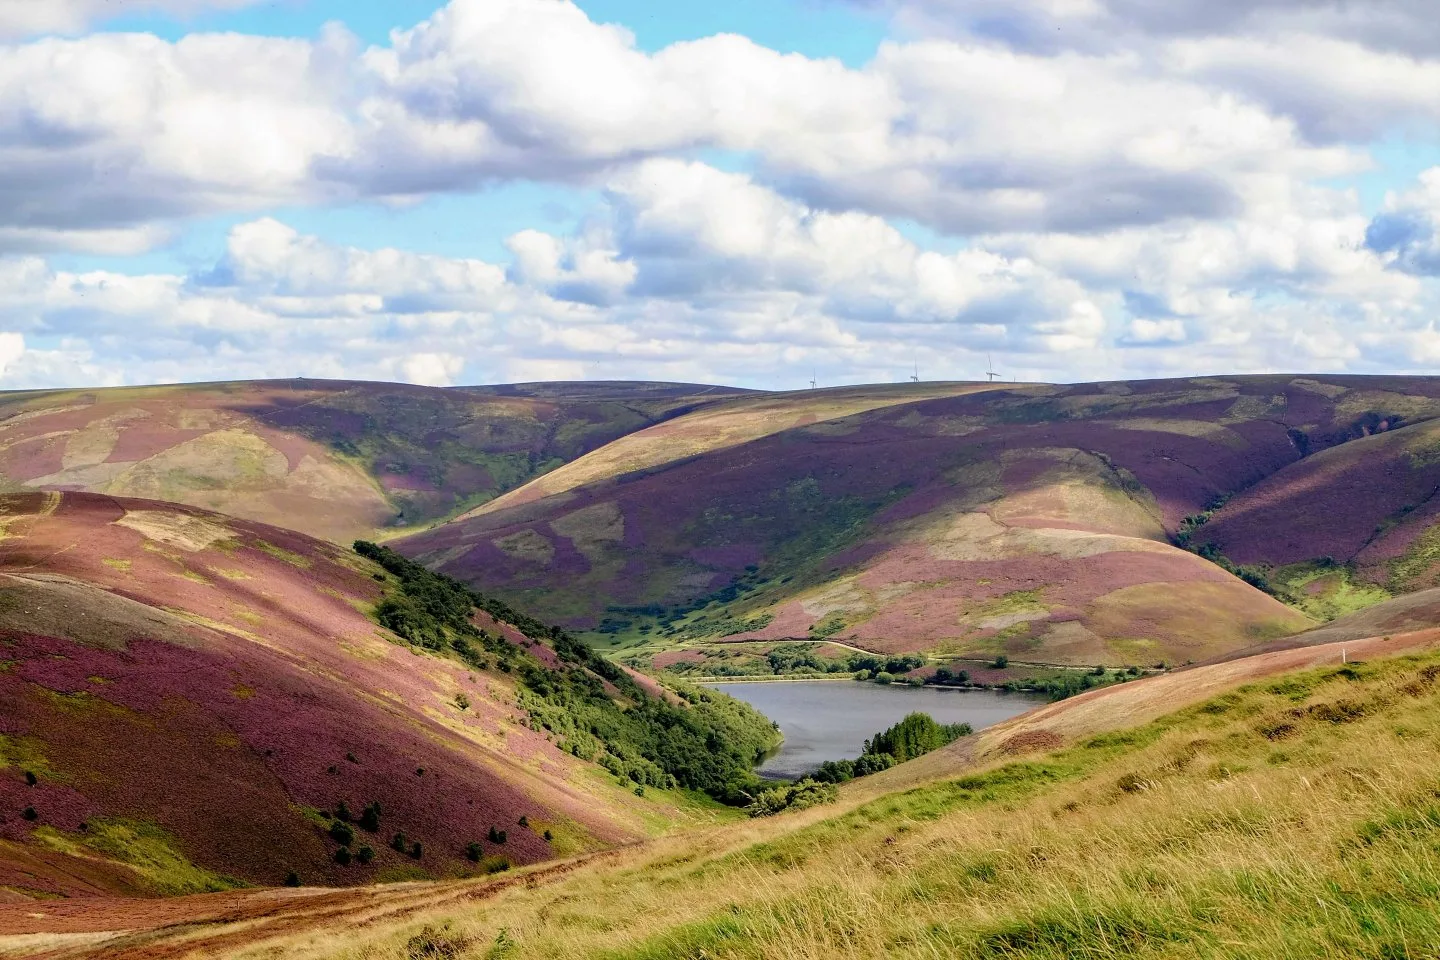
[[211, 188]]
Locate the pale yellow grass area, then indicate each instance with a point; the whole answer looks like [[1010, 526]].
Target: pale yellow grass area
[[527, 544], [1202, 429], [186, 531], [1209, 615], [93, 444], [1247, 408], [235, 471], [725, 424], [1328, 390], [1358, 402], [593, 529]]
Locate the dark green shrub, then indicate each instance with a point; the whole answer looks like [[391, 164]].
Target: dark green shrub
[[365, 854], [30, 778], [473, 851], [370, 819], [1001, 662], [292, 879], [341, 833], [416, 850], [342, 812], [397, 842], [342, 856], [29, 814]]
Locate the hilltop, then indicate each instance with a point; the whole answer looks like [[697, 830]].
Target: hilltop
[[1045, 523], [197, 702], [335, 459]]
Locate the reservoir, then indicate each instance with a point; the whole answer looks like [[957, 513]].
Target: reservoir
[[831, 720]]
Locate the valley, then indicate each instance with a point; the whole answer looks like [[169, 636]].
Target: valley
[[468, 668]]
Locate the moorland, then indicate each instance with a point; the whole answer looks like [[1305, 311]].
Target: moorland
[[312, 668]]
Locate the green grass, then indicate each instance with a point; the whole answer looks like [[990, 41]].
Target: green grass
[[149, 850], [1325, 591], [1298, 816]]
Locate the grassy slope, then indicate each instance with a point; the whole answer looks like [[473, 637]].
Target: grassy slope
[[334, 459], [1278, 807], [189, 690], [1032, 521]]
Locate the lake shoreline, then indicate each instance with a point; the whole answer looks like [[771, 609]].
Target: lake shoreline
[[822, 720]]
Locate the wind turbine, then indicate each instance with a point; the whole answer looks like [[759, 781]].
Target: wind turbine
[[915, 377], [812, 380], [990, 368]]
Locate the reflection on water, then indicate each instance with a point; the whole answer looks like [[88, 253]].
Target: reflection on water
[[831, 720]]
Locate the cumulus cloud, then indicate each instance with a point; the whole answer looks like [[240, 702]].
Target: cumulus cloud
[[1402, 25], [23, 17], [722, 278], [109, 134], [1407, 233]]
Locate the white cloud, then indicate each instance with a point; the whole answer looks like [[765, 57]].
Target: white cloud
[[113, 133], [432, 369], [23, 17]]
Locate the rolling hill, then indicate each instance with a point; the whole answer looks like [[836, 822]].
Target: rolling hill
[[196, 702], [334, 459], [1277, 806], [1035, 521]]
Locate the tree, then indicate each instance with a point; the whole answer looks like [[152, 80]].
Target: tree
[[370, 819], [342, 856], [341, 833], [1001, 662], [473, 851], [365, 854]]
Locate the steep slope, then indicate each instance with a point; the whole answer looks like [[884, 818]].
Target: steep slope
[[1274, 808], [718, 426], [1034, 521], [189, 698], [1364, 511], [330, 458]]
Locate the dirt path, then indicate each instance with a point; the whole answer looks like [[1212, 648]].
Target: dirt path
[[209, 924]]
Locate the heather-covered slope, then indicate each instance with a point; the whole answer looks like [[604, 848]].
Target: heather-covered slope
[[717, 426], [1276, 807], [1362, 512], [1034, 521], [330, 458], [195, 696]]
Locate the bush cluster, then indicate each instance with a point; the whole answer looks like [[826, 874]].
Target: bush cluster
[[709, 743], [914, 736]]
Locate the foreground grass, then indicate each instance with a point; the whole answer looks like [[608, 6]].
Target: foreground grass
[[1296, 817]]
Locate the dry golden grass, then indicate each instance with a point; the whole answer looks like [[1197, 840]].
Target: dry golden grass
[[1296, 816]]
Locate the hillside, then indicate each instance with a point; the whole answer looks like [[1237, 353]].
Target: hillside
[[1034, 521], [334, 459], [1353, 520], [195, 702], [1275, 807]]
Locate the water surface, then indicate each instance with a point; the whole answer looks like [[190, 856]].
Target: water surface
[[831, 720]]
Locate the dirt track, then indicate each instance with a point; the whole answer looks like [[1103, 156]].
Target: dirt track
[[204, 925]]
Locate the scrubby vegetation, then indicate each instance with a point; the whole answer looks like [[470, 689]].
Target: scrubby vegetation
[[912, 737], [707, 742], [795, 659]]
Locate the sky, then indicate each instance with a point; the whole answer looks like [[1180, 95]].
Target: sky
[[757, 193]]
